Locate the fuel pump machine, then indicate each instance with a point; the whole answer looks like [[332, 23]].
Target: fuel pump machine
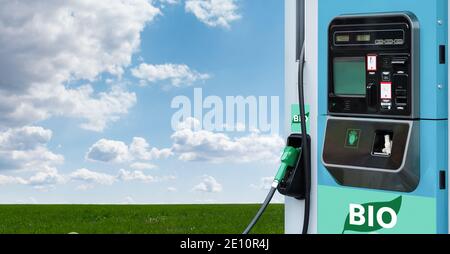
[[375, 79]]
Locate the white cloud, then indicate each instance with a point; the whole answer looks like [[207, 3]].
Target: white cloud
[[136, 175], [118, 152], [7, 180], [141, 150], [45, 100], [177, 74], [50, 177], [265, 183], [92, 177], [172, 189], [24, 138], [191, 145], [97, 109], [45, 45], [209, 184], [109, 151], [214, 13], [88, 179], [25, 148], [142, 166], [43, 180]]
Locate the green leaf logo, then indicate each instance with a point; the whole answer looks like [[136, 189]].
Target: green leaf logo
[[371, 217], [353, 137]]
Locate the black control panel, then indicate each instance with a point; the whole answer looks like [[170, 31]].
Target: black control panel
[[373, 66], [355, 153]]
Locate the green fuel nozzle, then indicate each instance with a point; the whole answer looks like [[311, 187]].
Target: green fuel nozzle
[[288, 159]]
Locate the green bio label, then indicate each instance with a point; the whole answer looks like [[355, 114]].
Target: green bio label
[[370, 217], [361, 211], [296, 126]]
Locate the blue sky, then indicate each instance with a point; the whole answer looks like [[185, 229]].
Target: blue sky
[[97, 128]]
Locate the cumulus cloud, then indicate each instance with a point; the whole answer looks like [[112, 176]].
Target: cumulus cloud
[[106, 150], [136, 175], [92, 177], [140, 150], [97, 109], [209, 184], [201, 145], [24, 138], [43, 180], [47, 178], [25, 148], [6, 180], [47, 45], [214, 13], [177, 74], [87, 178], [109, 151]]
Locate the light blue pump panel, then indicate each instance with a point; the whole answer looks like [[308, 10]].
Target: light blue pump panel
[[424, 210]]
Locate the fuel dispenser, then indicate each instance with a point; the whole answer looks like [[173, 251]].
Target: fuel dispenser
[[382, 117], [373, 78]]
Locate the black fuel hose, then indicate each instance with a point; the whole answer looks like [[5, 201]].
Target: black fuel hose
[[305, 147]]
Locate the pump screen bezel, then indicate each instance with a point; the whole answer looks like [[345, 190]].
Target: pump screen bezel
[[403, 31]]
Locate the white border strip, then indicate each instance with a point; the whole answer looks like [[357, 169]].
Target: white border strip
[[294, 208]]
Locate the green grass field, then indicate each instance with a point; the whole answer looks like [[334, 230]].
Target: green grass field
[[130, 219]]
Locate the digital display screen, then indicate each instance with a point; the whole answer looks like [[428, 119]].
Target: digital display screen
[[363, 38], [349, 74], [343, 38]]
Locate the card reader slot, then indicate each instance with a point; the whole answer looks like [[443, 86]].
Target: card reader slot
[[401, 101], [400, 93], [399, 60]]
